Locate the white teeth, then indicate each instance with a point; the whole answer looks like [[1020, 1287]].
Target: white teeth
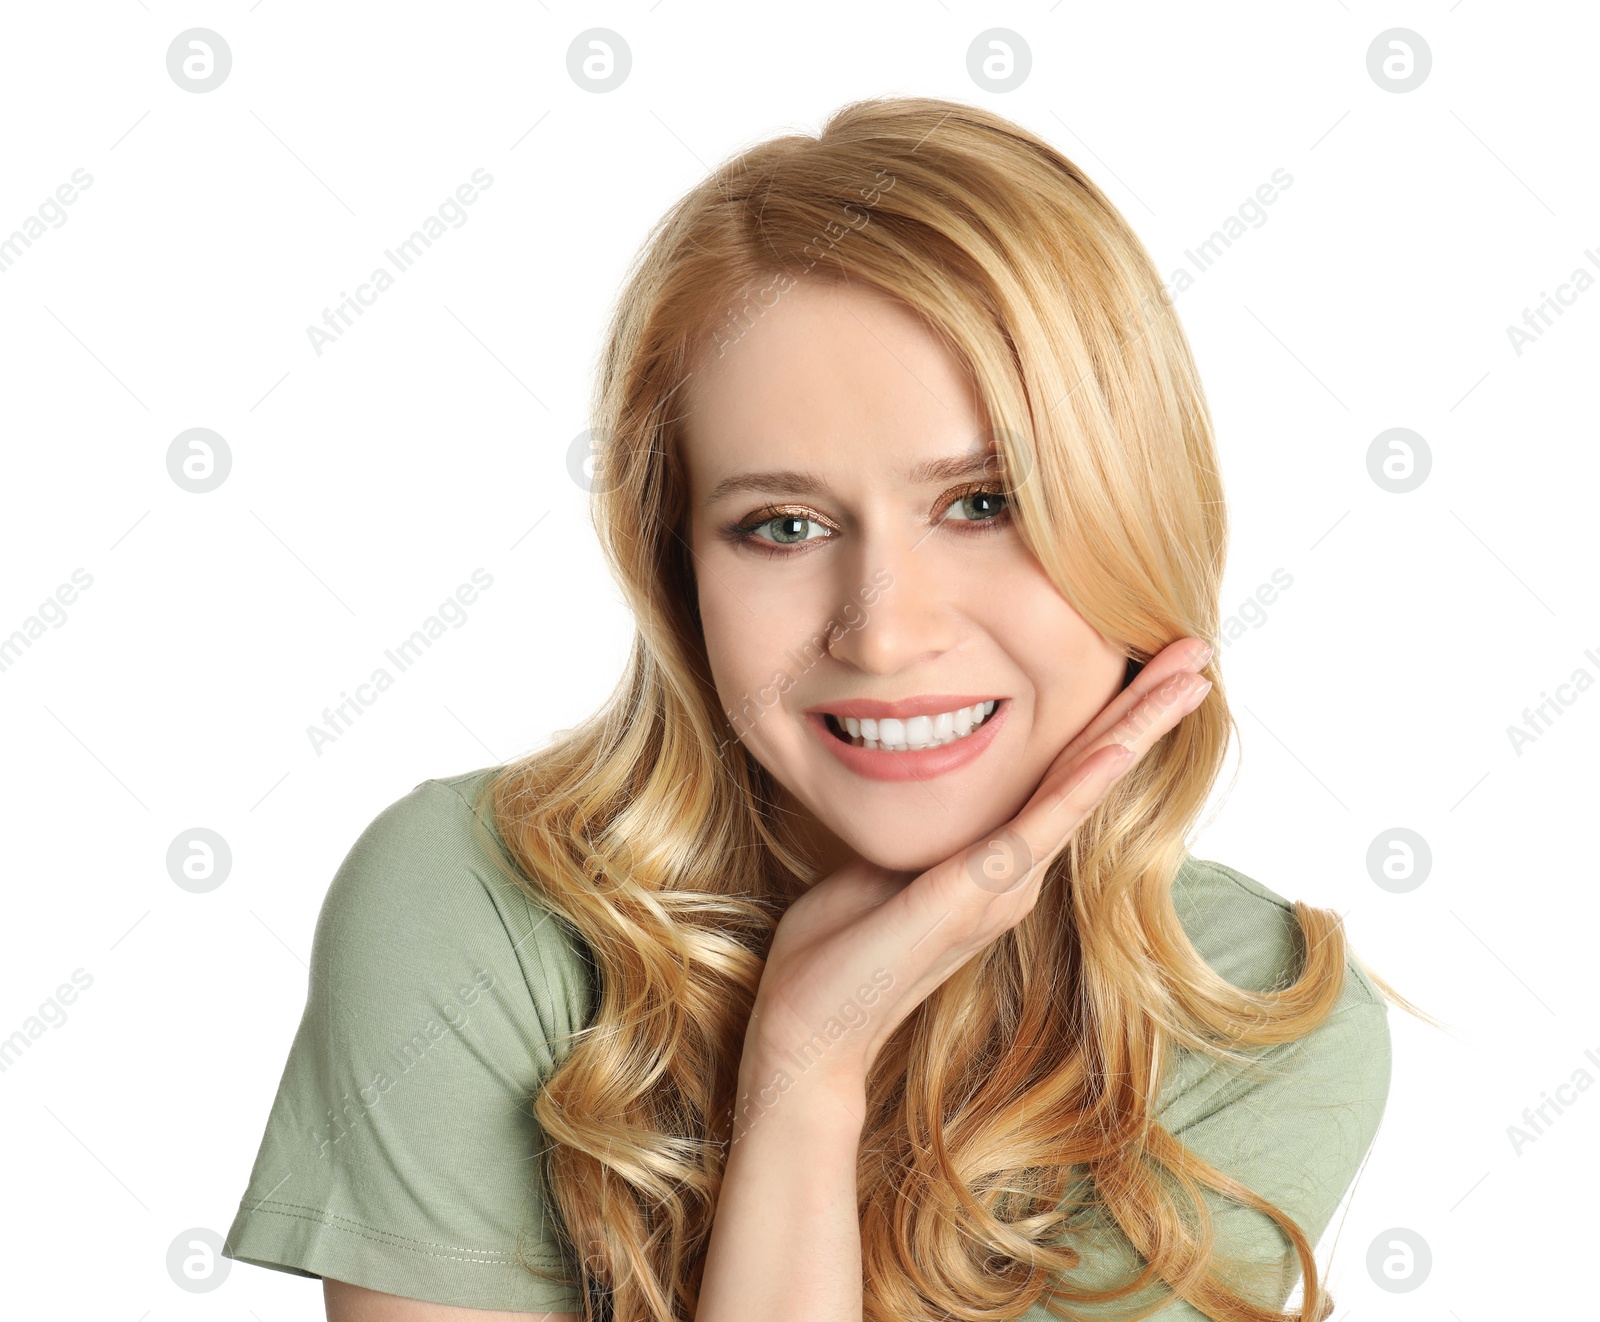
[[914, 732]]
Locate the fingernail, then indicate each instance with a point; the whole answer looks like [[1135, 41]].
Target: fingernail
[[1203, 655], [1193, 700]]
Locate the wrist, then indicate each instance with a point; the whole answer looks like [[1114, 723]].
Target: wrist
[[776, 1090]]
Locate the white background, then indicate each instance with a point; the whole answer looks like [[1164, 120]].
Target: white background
[[431, 440]]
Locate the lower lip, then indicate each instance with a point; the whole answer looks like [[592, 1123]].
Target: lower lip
[[919, 763]]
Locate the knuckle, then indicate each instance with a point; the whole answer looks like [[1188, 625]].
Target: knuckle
[[1001, 863], [1077, 799]]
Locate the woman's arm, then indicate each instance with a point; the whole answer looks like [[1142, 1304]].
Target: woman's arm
[[786, 1243], [344, 1302]]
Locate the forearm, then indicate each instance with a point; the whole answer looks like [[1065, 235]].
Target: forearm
[[786, 1242]]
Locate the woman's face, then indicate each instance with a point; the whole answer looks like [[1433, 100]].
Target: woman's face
[[864, 581]]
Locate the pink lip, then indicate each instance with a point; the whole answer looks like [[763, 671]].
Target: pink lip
[[924, 704], [919, 764]]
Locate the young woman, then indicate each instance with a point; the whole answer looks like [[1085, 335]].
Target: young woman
[[850, 963]]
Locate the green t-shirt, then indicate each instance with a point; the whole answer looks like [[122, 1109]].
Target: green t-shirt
[[400, 1150]]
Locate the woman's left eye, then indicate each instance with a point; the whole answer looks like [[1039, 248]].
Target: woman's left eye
[[982, 506]]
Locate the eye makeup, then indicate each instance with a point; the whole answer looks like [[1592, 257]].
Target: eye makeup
[[745, 532]]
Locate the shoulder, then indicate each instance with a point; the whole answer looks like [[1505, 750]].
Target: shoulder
[[1249, 934], [1294, 1122], [401, 1148], [441, 823], [429, 889]]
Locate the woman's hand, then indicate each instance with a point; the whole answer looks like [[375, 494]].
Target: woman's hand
[[866, 945]]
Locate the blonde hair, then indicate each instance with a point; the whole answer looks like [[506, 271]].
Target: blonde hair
[[652, 832]]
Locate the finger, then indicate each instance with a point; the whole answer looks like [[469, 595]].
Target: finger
[[1010, 856], [1157, 713], [1062, 802], [1185, 655], [959, 901], [964, 886]]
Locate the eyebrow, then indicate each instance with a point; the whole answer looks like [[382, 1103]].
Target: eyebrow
[[810, 484]]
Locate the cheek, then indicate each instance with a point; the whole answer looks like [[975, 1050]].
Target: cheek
[[728, 640], [1039, 628], [749, 631], [1072, 671]]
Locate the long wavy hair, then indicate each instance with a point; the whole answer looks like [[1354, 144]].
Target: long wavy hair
[[655, 836]]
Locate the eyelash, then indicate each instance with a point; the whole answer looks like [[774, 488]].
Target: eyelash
[[744, 533]]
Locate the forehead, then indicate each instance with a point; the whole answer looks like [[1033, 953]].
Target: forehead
[[828, 374]]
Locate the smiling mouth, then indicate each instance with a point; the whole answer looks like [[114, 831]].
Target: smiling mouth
[[911, 733]]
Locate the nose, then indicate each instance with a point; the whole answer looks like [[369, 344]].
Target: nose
[[909, 622]]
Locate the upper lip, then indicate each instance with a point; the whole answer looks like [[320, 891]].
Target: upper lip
[[924, 704]]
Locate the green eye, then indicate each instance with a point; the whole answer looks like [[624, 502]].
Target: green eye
[[981, 506], [787, 529], [779, 533]]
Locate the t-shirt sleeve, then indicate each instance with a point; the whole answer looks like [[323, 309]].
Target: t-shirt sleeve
[[401, 1151], [1294, 1128]]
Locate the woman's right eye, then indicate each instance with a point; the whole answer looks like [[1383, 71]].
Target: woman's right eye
[[784, 530], [787, 529]]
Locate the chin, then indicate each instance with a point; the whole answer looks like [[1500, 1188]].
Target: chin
[[915, 855]]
